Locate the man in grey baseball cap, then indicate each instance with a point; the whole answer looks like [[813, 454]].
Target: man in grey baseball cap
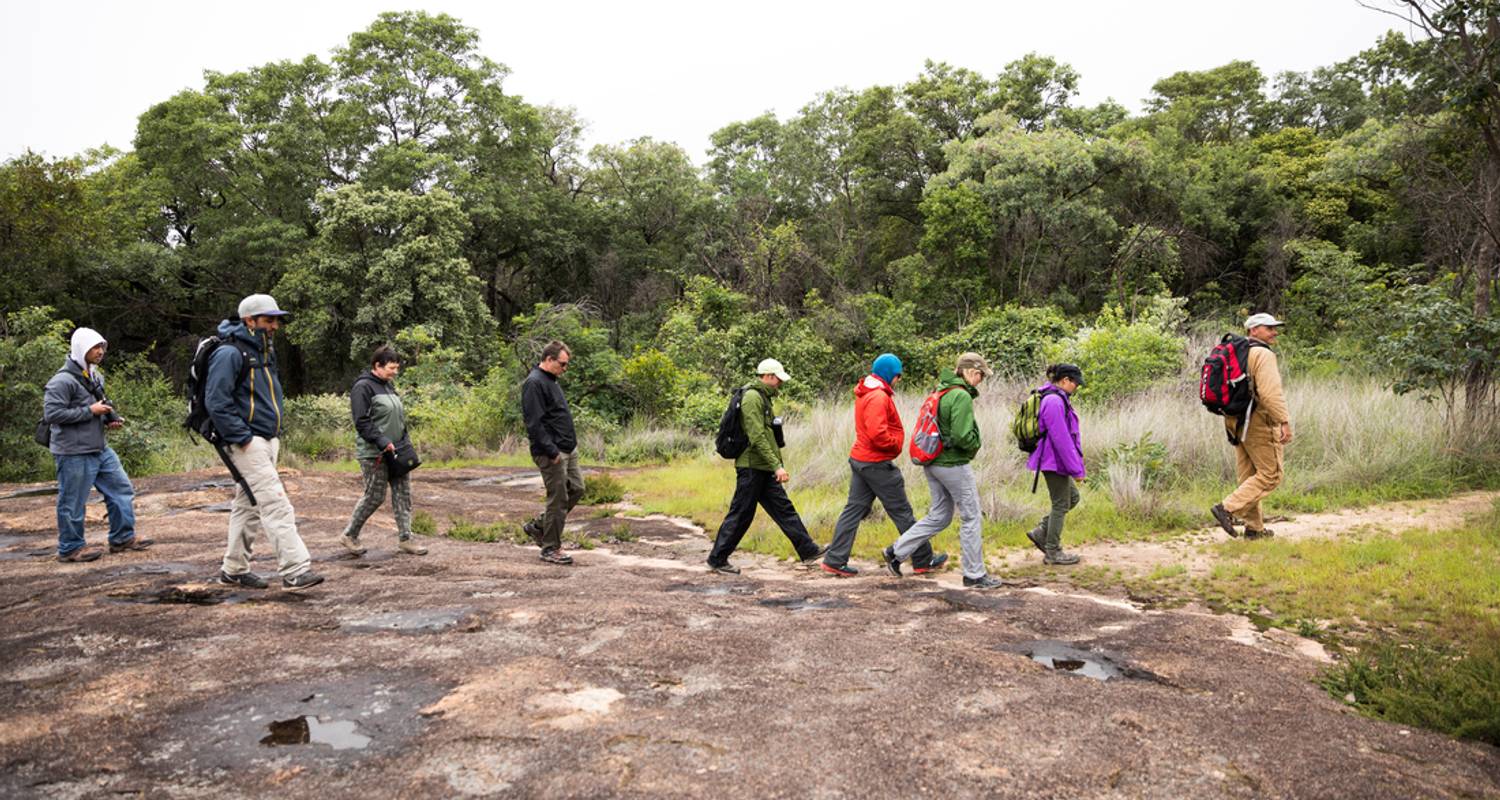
[[1258, 456]]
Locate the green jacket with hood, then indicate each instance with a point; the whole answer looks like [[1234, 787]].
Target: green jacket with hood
[[956, 422], [755, 416]]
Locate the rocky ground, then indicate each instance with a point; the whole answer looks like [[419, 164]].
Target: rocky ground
[[477, 670]]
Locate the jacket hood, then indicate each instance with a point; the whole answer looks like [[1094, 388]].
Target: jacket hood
[[949, 379], [872, 383], [84, 340], [235, 329]]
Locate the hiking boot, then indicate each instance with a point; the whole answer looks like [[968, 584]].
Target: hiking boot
[[305, 580], [1035, 535], [352, 545], [725, 568], [534, 530], [249, 580], [555, 555], [1264, 533], [982, 582], [1225, 519], [810, 560], [1060, 557], [81, 555], [892, 564], [410, 545], [133, 543], [844, 571], [939, 560]]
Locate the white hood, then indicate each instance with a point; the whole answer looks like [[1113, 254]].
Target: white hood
[[84, 340]]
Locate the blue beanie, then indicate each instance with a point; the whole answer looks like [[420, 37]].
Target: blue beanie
[[887, 367]]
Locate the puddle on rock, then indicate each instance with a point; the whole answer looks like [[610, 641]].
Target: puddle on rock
[[338, 734], [1068, 659], [970, 600], [422, 620], [204, 596], [804, 603], [711, 590], [159, 568]]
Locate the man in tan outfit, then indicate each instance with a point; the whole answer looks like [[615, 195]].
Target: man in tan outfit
[[1258, 456]]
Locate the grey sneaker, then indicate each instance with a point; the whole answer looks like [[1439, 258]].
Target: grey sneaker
[[892, 564], [249, 580], [1060, 557], [352, 545], [1035, 535], [984, 582], [1225, 520], [409, 545], [305, 580]]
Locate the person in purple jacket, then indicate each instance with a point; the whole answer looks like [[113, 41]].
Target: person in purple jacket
[[1059, 457]]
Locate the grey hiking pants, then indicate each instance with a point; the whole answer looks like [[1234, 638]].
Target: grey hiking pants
[[950, 487], [1064, 493], [377, 482], [870, 481]]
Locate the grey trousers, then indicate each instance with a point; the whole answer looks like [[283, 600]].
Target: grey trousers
[[564, 482], [376, 482], [870, 481], [951, 487], [1064, 493]]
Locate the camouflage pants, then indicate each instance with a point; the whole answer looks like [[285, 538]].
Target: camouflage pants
[[376, 481]]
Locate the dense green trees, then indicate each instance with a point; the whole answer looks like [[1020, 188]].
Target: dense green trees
[[396, 186]]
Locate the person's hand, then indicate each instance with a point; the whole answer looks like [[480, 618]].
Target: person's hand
[[1286, 433], [782, 476], [100, 408], [391, 448], [557, 459], [115, 425]]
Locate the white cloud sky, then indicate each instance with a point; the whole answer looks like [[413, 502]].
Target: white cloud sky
[[77, 74]]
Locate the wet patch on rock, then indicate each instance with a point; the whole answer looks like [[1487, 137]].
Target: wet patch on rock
[[340, 734], [1070, 659], [155, 568], [712, 589], [414, 621], [804, 603], [969, 600], [203, 596]]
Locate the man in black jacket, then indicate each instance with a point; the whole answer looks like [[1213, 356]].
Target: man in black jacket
[[549, 426]]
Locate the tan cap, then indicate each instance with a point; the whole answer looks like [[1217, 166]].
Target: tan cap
[[973, 361], [772, 367]]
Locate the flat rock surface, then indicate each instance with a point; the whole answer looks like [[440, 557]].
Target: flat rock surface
[[479, 671]]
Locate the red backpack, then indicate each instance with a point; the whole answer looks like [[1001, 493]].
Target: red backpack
[[926, 439], [1224, 388]]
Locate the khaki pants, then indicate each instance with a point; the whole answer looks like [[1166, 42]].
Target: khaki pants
[[564, 482], [1258, 460], [272, 513]]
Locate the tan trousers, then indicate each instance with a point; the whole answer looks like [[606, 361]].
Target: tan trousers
[[272, 514], [1258, 460]]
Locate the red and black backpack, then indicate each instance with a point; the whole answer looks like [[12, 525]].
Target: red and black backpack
[[1225, 386]]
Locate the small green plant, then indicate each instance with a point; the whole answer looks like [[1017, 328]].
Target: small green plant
[[622, 532], [469, 531], [602, 488], [578, 538], [422, 523], [1456, 693]]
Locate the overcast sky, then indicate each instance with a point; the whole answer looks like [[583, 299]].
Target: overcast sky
[[77, 74]]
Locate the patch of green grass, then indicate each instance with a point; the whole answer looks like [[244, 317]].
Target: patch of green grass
[[1453, 691], [580, 539], [422, 523], [1167, 572], [469, 531], [622, 532], [602, 488]]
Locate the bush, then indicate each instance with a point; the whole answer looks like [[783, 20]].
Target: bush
[[1458, 694], [1121, 358], [642, 443], [652, 381], [317, 426], [702, 410], [602, 488], [153, 415], [33, 344], [1013, 339]]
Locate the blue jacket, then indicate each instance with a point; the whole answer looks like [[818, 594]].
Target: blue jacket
[[241, 409]]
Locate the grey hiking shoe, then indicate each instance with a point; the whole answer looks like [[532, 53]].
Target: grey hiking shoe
[[1060, 557], [1035, 535], [534, 530], [1225, 520], [892, 564], [984, 582], [305, 580], [249, 580], [410, 545], [352, 544], [555, 555]]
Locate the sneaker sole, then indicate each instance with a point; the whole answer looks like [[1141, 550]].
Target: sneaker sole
[[835, 571]]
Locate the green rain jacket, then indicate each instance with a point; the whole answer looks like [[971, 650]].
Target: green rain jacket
[[956, 422], [756, 415]]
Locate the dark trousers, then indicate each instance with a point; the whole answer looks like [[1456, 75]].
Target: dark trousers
[[871, 481], [757, 487]]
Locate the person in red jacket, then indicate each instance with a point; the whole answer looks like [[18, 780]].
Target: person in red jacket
[[878, 440]]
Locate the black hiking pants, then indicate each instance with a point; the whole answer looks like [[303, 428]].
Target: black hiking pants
[[754, 487]]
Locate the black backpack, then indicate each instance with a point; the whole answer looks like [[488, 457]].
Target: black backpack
[[198, 420], [1224, 387], [731, 440]]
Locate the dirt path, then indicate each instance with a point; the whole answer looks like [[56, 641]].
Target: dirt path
[[479, 671], [1194, 553]]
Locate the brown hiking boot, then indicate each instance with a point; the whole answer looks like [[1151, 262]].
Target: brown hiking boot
[[1225, 519], [133, 543], [81, 555]]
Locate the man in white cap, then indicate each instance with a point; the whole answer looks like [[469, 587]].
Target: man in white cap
[[74, 408], [1258, 456], [242, 393], [759, 474]]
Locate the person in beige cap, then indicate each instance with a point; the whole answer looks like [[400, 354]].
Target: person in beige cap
[[950, 478], [242, 393], [1258, 456], [759, 473]]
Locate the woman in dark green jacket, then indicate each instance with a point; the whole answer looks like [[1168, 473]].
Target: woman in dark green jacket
[[380, 420]]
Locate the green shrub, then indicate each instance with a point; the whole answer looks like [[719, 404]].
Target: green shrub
[[648, 443], [423, 524], [602, 488], [153, 416], [702, 410], [651, 380], [1013, 339], [469, 531], [1456, 693], [1121, 358], [33, 344], [317, 426]]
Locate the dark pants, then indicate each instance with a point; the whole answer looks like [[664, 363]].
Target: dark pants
[[564, 484], [752, 487], [871, 481], [1063, 491]]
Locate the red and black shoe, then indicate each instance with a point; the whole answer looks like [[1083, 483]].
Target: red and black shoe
[[844, 571], [939, 560]]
